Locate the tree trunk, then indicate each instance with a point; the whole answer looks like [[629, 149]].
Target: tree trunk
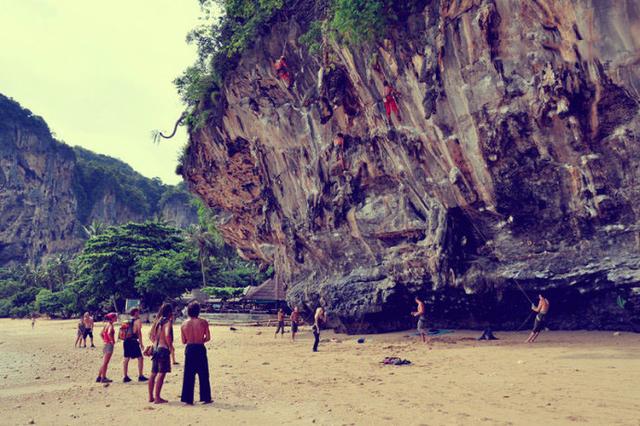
[[204, 281]]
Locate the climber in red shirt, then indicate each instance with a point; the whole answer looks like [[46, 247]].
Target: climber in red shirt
[[282, 69], [390, 101]]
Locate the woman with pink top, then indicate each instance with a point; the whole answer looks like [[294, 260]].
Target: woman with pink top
[[109, 339]]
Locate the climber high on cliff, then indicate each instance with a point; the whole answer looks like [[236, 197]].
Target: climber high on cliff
[[390, 101], [282, 69], [338, 142]]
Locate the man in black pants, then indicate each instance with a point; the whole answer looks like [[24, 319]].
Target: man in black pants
[[195, 333], [318, 319]]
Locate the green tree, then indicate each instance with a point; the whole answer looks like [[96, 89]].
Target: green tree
[[166, 275], [107, 266], [200, 238], [60, 303]]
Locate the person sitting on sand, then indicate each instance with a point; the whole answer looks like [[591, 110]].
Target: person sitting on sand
[[421, 313], [161, 339], [280, 328], [79, 333], [87, 320], [133, 346], [195, 333], [319, 318], [295, 322], [109, 338], [542, 309]]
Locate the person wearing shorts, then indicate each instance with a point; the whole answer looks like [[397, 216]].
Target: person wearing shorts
[[280, 328], [542, 309], [109, 339], [421, 313], [133, 346], [161, 360], [87, 331]]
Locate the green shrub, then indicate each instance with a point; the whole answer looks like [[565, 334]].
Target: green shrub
[[223, 292], [359, 21], [313, 37]]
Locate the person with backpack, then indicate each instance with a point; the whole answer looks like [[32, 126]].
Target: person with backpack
[[162, 344], [109, 339], [131, 335]]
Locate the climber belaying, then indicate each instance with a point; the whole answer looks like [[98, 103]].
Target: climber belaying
[[282, 70], [390, 101]]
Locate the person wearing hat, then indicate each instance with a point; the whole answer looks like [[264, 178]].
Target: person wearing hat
[[109, 339], [133, 346]]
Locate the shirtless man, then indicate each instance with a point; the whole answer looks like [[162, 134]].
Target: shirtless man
[[133, 346], [280, 328], [421, 313], [195, 333], [295, 322], [87, 321], [162, 343], [541, 309], [319, 318]]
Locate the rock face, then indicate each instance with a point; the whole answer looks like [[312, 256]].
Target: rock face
[[49, 190], [37, 203], [516, 165]]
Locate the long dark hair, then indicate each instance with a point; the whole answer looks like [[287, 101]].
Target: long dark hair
[[164, 313]]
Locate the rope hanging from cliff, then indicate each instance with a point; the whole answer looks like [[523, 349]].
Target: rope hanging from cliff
[[523, 292], [525, 321]]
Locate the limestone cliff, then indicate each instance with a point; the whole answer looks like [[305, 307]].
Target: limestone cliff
[[516, 164], [49, 190], [37, 203]]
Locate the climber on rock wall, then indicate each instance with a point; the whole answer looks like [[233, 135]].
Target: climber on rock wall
[[390, 101], [282, 70], [338, 141]]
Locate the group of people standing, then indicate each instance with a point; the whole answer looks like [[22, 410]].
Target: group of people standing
[[319, 319], [194, 334]]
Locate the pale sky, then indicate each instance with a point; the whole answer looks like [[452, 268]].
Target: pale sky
[[100, 72]]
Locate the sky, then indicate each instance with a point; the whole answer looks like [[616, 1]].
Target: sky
[[100, 72]]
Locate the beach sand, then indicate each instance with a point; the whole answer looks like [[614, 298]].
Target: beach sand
[[565, 378]]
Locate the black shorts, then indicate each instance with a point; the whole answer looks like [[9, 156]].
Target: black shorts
[[87, 333], [132, 348], [539, 323], [294, 327], [161, 361]]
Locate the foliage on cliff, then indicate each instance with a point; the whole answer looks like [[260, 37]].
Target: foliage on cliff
[[98, 175]]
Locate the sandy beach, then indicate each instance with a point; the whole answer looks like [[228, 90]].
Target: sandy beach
[[565, 378]]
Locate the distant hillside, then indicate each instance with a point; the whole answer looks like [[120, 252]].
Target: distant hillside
[[109, 190], [49, 191]]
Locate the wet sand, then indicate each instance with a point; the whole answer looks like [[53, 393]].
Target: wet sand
[[565, 378]]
